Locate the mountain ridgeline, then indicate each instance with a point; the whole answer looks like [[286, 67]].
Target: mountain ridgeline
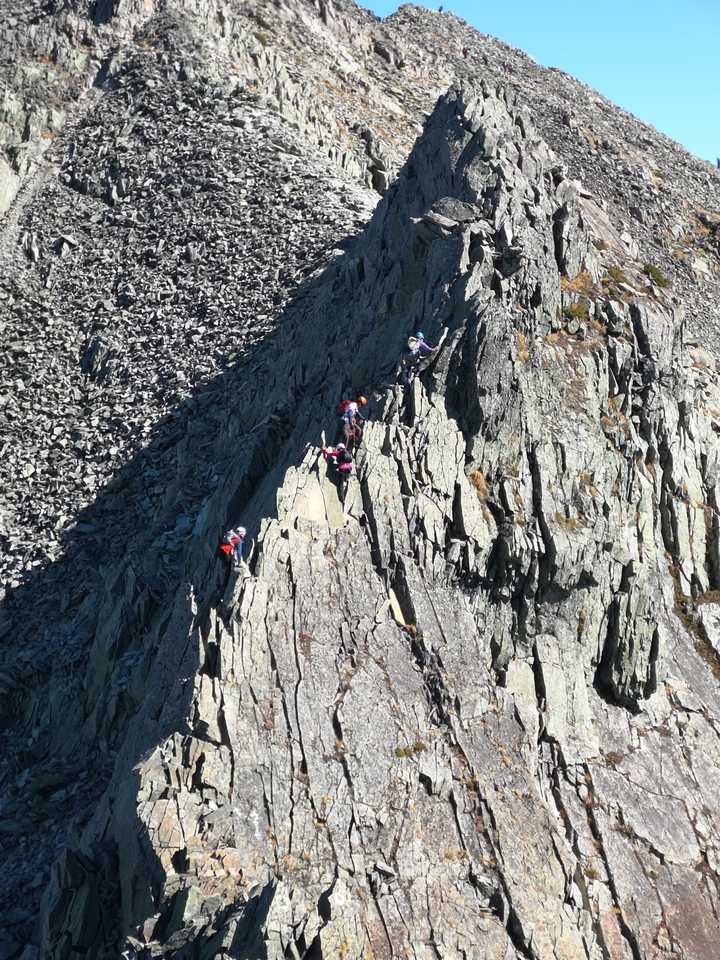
[[471, 707]]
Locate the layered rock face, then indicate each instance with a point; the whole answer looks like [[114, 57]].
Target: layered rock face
[[456, 712], [469, 710]]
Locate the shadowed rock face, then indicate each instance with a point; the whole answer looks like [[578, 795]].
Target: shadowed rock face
[[472, 710]]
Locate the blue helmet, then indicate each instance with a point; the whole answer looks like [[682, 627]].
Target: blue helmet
[[420, 335]]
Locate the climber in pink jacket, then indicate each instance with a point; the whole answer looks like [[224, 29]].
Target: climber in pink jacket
[[342, 462]]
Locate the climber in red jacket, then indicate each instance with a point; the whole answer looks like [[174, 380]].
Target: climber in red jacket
[[232, 546]]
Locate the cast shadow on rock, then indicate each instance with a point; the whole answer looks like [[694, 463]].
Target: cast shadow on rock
[[105, 641]]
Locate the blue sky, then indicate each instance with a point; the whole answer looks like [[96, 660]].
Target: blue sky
[[659, 59]]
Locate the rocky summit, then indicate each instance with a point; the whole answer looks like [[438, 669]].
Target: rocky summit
[[466, 707]]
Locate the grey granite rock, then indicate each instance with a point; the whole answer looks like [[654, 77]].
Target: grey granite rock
[[388, 727], [471, 708]]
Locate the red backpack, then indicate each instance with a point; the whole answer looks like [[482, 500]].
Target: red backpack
[[342, 407]]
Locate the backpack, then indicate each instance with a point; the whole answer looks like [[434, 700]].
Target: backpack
[[342, 407], [343, 456], [413, 343]]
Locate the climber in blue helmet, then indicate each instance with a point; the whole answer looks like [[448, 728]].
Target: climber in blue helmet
[[417, 350], [418, 345]]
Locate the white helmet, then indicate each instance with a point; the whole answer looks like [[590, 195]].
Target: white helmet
[[240, 531]]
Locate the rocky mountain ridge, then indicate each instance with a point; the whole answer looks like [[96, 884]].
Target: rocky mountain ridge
[[426, 721], [271, 56]]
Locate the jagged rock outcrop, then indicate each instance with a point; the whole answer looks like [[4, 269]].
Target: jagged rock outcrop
[[411, 726], [469, 711]]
